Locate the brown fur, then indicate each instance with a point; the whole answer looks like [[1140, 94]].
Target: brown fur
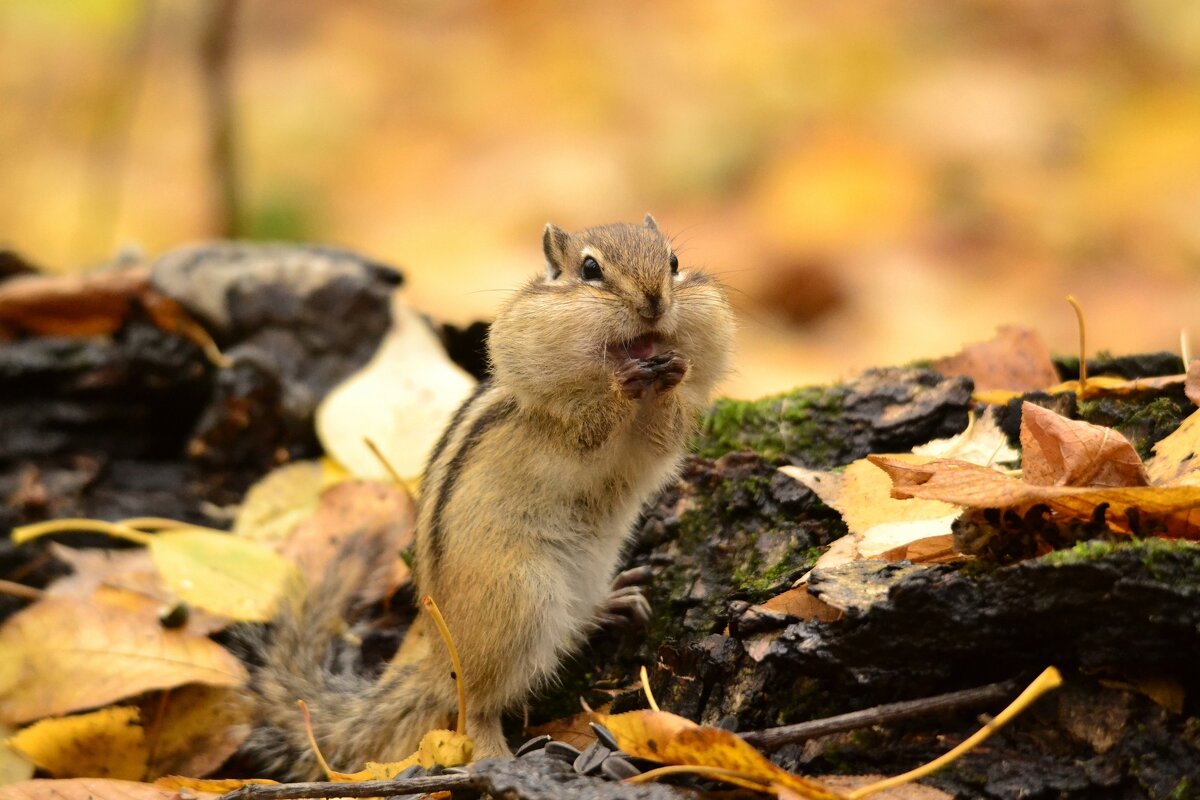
[[532, 492]]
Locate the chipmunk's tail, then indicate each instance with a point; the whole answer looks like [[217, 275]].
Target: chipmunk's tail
[[306, 654]]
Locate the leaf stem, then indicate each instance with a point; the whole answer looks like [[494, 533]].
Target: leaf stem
[[646, 688], [1082, 345], [1049, 680], [461, 687], [26, 533]]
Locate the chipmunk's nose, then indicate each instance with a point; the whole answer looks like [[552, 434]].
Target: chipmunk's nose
[[653, 307]]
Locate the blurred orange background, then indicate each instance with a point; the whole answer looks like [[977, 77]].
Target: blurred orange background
[[877, 181]]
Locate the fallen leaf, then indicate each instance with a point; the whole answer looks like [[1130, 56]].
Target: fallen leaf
[[983, 443], [283, 498], [1015, 359], [382, 511], [401, 400], [1096, 386], [801, 604], [575, 730], [71, 305], [90, 789], [863, 497], [108, 743], [1176, 460], [438, 748], [65, 654], [194, 729], [125, 578], [1064, 452], [209, 785], [1166, 692], [227, 575], [1178, 507], [671, 739], [877, 522], [13, 766]]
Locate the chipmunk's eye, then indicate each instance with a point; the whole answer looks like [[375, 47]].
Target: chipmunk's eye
[[591, 270], [674, 264]]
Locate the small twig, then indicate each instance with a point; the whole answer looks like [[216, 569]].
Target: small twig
[[773, 738], [20, 590], [300, 791]]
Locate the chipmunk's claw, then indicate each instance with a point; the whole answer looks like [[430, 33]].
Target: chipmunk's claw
[[660, 373], [627, 603]]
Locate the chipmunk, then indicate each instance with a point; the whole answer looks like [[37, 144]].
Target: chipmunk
[[600, 369]]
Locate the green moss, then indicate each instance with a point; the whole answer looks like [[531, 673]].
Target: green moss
[[1184, 790], [1153, 553], [1143, 423], [791, 424]]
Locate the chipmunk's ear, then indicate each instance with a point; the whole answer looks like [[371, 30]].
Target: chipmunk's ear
[[554, 245], [651, 224]]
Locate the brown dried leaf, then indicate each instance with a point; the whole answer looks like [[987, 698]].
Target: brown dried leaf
[[65, 654], [383, 511], [574, 730], [91, 789], [194, 729], [71, 305], [1066, 452], [978, 487], [803, 605], [1015, 359]]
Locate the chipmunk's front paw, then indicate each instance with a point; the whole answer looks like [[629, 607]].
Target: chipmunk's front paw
[[628, 602], [660, 373]]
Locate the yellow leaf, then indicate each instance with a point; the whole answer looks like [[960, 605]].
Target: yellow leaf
[[209, 786], [1177, 457], [13, 766], [66, 654], [194, 729], [443, 748], [224, 574], [109, 743], [670, 739], [283, 498]]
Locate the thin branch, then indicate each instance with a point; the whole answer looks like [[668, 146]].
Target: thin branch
[[216, 56], [299, 791], [773, 738]]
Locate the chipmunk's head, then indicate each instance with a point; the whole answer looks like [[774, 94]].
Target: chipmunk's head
[[632, 273], [610, 294]]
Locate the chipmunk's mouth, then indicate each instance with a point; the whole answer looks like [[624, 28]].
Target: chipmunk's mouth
[[638, 348]]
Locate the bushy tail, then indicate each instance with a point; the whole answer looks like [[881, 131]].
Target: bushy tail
[[354, 719]]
